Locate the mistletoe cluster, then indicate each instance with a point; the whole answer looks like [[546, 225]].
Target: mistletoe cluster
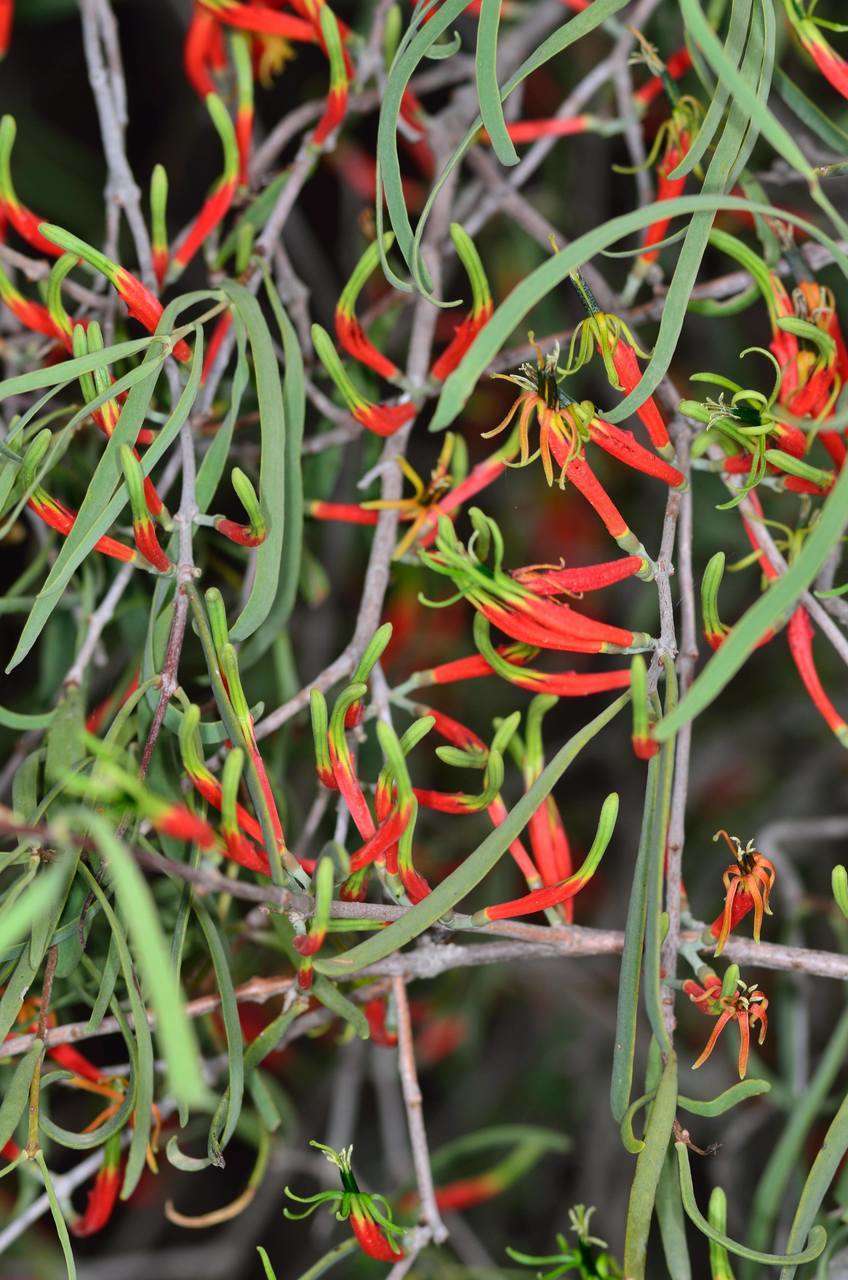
[[295, 674]]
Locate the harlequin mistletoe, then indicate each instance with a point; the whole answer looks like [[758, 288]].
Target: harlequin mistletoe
[[192, 890]]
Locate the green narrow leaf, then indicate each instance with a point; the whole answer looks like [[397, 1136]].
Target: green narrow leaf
[[173, 1029], [58, 1217], [272, 465], [649, 1164], [488, 92], [818, 1235], [16, 1096]]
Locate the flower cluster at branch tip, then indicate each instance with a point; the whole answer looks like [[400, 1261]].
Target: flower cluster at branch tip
[[369, 1215], [748, 882], [729, 1000]]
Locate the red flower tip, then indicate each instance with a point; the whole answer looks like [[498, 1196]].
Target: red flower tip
[[385, 419]]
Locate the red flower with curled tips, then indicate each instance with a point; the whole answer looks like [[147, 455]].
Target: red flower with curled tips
[[257, 18], [730, 1001], [748, 881], [370, 1216], [565, 428], [477, 574], [615, 344]]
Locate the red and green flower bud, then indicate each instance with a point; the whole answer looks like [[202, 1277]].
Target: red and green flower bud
[[103, 1195], [256, 531], [158, 222], [62, 322], [307, 945], [336, 106], [218, 625], [369, 1215], [481, 305], [240, 46], [349, 331], [832, 65], [549, 897], [321, 739], [373, 652], [206, 784], [382, 419], [216, 206], [32, 315], [644, 745], [141, 304], [239, 848], [144, 530], [342, 763], [22, 219]]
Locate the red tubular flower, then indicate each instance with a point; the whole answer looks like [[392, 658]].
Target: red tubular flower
[[552, 127], [667, 189], [200, 50], [748, 883], [831, 64], [340, 70], [215, 208], [262, 20], [141, 304], [548, 580], [478, 479], [384, 838], [222, 327], [61, 518], [7, 14], [497, 813], [103, 711], [22, 219], [103, 1195], [382, 419], [144, 530], [613, 341], [744, 1005], [346, 512], [475, 666], [375, 1012], [32, 315], [553, 895], [243, 64], [349, 331], [481, 306], [369, 1215], [412, 113], [178, 821], [800, 635]]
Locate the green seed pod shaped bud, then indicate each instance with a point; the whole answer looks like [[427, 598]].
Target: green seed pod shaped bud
[[217, 619], [229, 669], [34, 456], [250, 501], [839, 882], [320, 735], [230, 780], [643, 745], [730, 981], [189, 739], [717, 1216]]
